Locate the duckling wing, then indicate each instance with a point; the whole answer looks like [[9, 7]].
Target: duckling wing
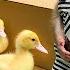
[[23, 61], [5, 60], [3, 44]]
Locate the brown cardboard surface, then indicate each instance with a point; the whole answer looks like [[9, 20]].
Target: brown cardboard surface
[[20, 16]]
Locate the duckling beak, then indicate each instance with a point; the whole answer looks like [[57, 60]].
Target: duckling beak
[[41, 48], [2, 33]]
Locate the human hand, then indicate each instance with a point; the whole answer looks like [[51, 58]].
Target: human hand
[[63, 52]]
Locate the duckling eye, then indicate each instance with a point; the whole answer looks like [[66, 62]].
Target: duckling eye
[[33, 39]]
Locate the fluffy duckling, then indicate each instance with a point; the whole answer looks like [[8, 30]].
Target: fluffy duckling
[[3, 37], [22, 59]]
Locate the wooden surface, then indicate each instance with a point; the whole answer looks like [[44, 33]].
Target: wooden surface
[[20, 16]]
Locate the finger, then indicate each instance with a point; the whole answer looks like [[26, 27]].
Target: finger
[[67, 58], [65, 51]]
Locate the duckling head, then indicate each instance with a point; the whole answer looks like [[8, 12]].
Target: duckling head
[[29, 40]]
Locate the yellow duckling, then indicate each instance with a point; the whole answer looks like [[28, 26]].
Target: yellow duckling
[[3, 37], [22, 59]]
